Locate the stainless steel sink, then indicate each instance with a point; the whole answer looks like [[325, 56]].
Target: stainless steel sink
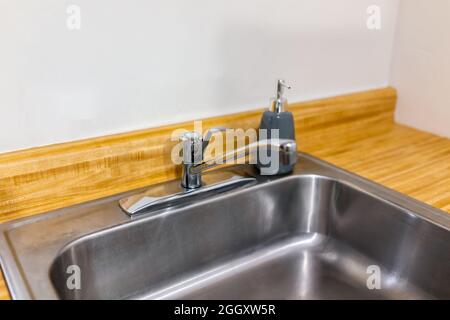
[[319, 233]]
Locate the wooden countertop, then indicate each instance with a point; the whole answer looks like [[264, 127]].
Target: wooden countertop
[[355, 132], [407, 160]]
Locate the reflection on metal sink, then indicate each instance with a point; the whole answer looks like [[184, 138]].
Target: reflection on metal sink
[[319, 233]]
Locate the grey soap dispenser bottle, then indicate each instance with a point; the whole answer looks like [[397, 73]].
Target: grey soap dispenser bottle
[[277, 118]]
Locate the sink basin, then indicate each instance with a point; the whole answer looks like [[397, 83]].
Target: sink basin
[[318, 233]]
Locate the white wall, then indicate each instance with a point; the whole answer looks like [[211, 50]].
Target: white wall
[[141, 63], [421, 65]]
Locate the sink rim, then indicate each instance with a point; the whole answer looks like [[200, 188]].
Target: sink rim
[[17, 282]]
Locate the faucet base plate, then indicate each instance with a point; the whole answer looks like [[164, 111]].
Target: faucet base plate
[[166, 196]]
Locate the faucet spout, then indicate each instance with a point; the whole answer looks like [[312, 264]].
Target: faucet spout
[[285, 149], [270, 151]]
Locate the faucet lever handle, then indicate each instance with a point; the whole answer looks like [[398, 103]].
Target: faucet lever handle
[[194, 144], [192, 147], [211, 131], [209, 135]]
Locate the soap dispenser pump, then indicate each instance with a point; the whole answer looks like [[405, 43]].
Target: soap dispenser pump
[[277, 117]]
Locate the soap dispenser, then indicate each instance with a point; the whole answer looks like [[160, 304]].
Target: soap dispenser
[[277, 117]]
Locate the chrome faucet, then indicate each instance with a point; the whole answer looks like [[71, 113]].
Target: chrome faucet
[[285, 152], [282, 151]]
